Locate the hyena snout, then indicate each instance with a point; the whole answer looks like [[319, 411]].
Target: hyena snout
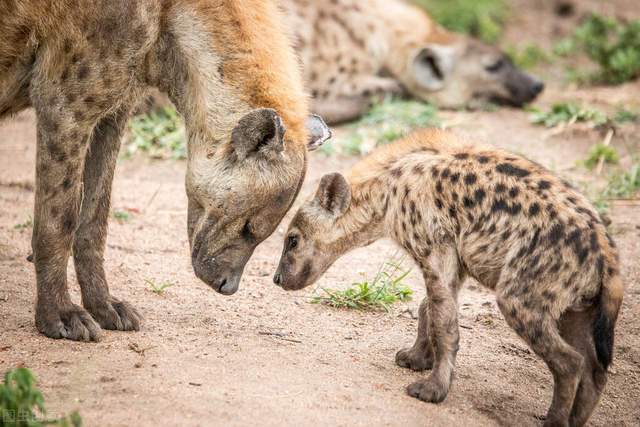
[[522, 87]]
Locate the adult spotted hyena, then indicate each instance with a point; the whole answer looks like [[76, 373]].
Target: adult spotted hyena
[[464, 210], [357, 50], [82, 64]]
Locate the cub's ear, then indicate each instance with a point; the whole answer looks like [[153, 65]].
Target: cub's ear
[[334, 194], [319, 132], [432, 65], [260, 129]]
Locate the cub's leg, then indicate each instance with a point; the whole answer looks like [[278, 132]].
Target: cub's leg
[[536, 326], [443, 277], [61, 147], [577, 329], [90, 237], [420, 356]]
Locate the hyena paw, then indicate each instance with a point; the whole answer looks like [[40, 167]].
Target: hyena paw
[[428, 390], [116, 315], [413, 359], [72, 322]]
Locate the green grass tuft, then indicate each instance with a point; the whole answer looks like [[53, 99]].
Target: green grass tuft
[[567, 112], [158, 288], [612, 45], [386, 122], [28, 223], [22, 404], [625, 184], [480, 18], [385, 289], [121, 216], [606, 152], [160, 134], [528, 56]]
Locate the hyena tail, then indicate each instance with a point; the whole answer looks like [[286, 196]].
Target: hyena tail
[[606, 315]]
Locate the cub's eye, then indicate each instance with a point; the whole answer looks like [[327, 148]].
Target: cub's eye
[[495, 67], [247, 231], [292, 241]]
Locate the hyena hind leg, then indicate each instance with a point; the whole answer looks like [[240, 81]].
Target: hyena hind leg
[[540, 332], [576, 328], [90, 237]]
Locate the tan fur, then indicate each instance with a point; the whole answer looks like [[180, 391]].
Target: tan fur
[[462, 209], [229, 69], [357, 51]]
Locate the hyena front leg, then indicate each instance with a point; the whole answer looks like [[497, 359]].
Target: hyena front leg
[[61, 148], [443, 278], [90, 237], [420, 356]]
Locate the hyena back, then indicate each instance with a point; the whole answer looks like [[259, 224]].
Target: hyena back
[[466, 210], [230, 71]]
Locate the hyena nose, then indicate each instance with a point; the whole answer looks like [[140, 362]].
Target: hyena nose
[[277, 279], [537, 87]]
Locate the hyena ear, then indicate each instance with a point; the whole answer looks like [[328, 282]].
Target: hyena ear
[[432, 65], [319, 132], [259, 130], [334, 194]]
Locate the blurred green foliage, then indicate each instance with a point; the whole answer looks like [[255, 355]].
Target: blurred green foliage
[[159, 133], [480, 18], [528, 56], [567, 112]]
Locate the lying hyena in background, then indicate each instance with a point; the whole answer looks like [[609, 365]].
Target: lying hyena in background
[[356, 50], [462, 210], [82, 64]]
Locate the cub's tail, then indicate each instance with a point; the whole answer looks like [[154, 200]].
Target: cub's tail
[[606, 316]]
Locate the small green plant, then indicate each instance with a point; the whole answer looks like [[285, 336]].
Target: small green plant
[[528, 56], [385, 122], [121, 216], [624, 116], [156, 288], [612, 45], [28, 223], [624, 184], [607, 153], [22, 404], [385, 289], [567, 112], [480, 18], [160, 133]]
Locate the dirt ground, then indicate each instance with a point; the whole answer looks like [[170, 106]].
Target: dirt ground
[[267, 357]]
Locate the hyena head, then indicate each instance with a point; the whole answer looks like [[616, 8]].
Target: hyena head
[[315, 239], [239, 193], [461, 71]]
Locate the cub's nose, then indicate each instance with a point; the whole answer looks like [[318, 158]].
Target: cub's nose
[[277, 279]]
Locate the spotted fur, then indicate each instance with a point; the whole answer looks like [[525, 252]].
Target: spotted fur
[[358, 51], [465, 210], [229, 69]]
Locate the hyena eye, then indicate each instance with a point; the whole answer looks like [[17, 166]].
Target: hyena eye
[[292, 241], [495, 67]]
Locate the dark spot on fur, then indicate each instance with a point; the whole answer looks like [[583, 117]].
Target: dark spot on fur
[[479, 195], [439, 204], [534, 209], [468, 203], [454, 177], [470, 179], [439, 187], [556, 233], [435, 172], [418, 169], [513, 192], [511, 170], [446, 172], [396, 172], [501, 188], [461, 156], [544, 184], [482, 159], [83, 72]]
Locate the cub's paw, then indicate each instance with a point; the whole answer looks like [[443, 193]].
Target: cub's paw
[[116, 315], [71, 322], [413, 359], [428, 390]]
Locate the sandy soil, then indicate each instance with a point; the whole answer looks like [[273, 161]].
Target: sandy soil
[[266, 357]]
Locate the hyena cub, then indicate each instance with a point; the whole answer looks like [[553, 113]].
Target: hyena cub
[[464, 210]]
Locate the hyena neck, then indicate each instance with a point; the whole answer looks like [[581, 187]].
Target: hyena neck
[[215, 64], [363, 222]]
